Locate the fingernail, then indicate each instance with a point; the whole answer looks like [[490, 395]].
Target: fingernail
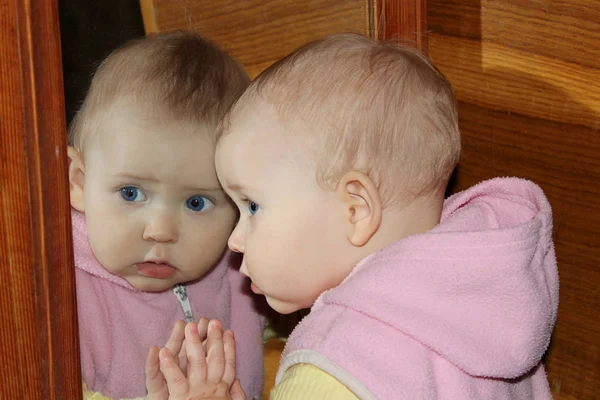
[[163, 354]]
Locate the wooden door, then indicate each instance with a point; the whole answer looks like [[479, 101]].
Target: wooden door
[[40, 355], [527, 77], [520, 121]]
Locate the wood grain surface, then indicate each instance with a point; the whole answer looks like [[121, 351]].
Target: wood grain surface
[[40, 356], [401, 20], [259, 32], [527, 75]]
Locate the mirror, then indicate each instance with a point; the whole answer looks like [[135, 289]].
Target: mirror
[[90, 30]]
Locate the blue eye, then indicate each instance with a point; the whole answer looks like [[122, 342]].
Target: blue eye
[[132, 194], [252, 207], [198, 203]]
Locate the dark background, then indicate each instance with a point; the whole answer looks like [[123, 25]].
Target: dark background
[[90, 30]]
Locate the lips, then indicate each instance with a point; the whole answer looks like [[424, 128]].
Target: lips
[[255, 288], [156, 270]]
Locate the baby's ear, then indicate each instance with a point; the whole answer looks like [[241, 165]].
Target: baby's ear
[[76, 178], [362, 205]]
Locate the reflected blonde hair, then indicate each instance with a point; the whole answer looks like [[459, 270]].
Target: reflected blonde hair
[[357, 104], [176, 75]]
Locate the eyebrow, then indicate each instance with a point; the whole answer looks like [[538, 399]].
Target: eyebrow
[[190, 188], [137, 178], [203, 189], [237, 188]]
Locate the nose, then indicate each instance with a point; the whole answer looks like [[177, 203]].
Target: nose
[[236, 239], [161, 227]]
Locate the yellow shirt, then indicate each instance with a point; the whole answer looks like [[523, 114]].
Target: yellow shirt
[[89, 395], [305, 381]]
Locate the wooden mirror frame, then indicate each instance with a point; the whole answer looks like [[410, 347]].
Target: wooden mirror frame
[[37, 308]]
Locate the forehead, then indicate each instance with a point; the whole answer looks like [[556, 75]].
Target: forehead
[[240, 156], [252, 130], [256, 146], [127, 120], [129, 142]]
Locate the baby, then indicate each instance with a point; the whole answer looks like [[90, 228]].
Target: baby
[[150, 220], [338, 157]]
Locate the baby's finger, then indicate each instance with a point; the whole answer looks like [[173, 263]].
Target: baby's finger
[[229, 348], [155, 382], [182, 359], [215, 357], [202, 328], [236, 392], [175, 342], [203, 331], [197, 367], [176, 380]]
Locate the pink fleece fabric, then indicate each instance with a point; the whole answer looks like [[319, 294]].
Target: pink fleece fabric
[[118, 323], [464, 311]]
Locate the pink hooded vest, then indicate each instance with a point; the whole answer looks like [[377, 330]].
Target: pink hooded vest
[[118, 323], [464, 311]]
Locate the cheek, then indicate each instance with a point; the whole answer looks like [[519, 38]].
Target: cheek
[[306, 237], [277, 246], [201, 244], [111, 238]]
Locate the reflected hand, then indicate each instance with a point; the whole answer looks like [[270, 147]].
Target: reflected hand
[[211, 372]]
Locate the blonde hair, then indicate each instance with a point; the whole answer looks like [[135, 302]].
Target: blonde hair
[[177, 74], [379, 108]]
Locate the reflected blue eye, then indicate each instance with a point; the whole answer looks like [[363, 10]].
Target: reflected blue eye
[[252, 207], [130, 193], [198, 203]]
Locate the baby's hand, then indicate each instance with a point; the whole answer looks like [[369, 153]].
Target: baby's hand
[[176, 343], [156, 385], [211, 373], [155, 382]]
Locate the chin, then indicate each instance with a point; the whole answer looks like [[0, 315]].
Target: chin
[[282, 307], [150, 285]]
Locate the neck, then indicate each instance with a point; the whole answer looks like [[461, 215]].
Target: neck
[[418, 216]]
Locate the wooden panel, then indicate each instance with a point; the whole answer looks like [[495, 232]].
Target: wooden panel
[[404, 20], [40, 357], [496, 22], [514, 80], [526, 75], [258, 32]]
